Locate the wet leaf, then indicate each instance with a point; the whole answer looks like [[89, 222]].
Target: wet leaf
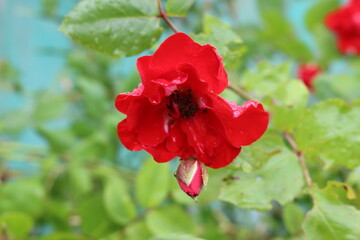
[[114, 27]]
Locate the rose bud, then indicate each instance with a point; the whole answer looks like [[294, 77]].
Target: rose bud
[[192, 176]]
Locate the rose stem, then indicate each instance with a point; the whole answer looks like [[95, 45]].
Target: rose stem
[[301, 158], [163, 15], [241, 93]]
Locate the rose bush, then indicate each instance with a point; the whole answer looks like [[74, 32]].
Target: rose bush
[[176, 110]]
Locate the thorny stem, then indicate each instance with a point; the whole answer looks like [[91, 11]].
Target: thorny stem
[[163, 15], [243, 94]]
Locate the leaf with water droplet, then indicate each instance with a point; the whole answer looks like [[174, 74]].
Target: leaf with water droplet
[[330, 218], [279, 179], [113, 27], [329, 132]]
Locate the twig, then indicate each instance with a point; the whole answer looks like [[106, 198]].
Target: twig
[[241, 93], [301, 158], [163, 15]]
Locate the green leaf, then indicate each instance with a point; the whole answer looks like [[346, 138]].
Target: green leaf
[[266, 79], [18, 225], [329, 132], [137, 231], [176, 237], [114, 27], [354, 178], [280, 33], [14, 122], [212, 189], [49, 105], [9, 76], [49, 7], [279, 179], [314, 21], [330, 218], [79, 178], [152, 183], [95, 221], [316, 15], [275, 5], [259, 153], [293, 216], [286, 119], [94, 96], [59, 140], [170, 220], [118, 203], [62, 236], [275, 85], [227, 42], [178, 8], [344, 86], [284, 97], [94, 147], [22, 195]]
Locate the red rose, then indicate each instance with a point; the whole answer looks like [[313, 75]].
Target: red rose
[[176, 110], [345, 23], [307, 73]]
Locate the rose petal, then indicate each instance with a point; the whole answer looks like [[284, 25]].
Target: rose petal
[[123, 100], [223, 155], [243, 124], [205, 136], [128, 137], [180, 48], [152, 129], [176, 138], [160, 153]]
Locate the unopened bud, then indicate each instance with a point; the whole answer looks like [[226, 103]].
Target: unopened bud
[[192, 176]]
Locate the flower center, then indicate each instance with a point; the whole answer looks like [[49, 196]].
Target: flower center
[[182, 102]]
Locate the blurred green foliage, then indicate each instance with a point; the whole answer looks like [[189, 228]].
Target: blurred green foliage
[[82, 188]]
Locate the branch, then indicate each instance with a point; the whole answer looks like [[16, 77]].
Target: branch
[[163, 15], [241, 93], [301, 159]]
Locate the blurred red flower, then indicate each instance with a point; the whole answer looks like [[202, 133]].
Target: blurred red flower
[[345, 23], [176, 110], [307, 73]]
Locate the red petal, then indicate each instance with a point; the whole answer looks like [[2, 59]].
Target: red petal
[[128, 137], [193, 80], [176, 139], [224, 154], [206, 136], [180, 48], [152, 129], [243, 124], [160, 153], [349, 45], [123, 100]]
